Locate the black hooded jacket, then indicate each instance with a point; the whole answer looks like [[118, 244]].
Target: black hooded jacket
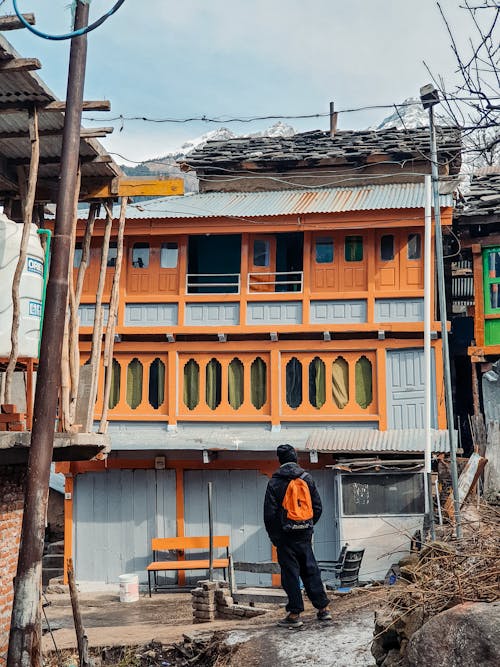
[[275, 493]]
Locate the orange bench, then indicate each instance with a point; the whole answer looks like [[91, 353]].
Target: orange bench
[[181, 545]]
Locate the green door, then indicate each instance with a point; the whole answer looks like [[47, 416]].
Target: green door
[[491, 279]]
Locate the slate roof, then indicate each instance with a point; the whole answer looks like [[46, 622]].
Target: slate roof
[[481, 202], [317, 148]]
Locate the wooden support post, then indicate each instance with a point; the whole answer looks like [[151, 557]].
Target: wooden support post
[[81, 636], [95, 355], [475, 388], [27, 217], [109, 340]]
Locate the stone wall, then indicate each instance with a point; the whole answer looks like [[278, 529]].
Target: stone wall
[[213, 599], [11, 514]]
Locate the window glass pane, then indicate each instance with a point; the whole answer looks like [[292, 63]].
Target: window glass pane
[[317, 390], [191, 392], [168, 255], [387, 248], [235, 383], [213, 384], [77, 257], [383, 494], [494, 264], [340, 382], [156, 394], [140, 255], [258, 382], [294, 383], [134, 383], [353, 248], [112, 254], [494, 300], [261, 252], [114, 394], [414, 246], [324, 250], [363, 379]]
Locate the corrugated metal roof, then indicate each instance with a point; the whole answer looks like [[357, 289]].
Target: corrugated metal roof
[[360, 440], [285, 202]]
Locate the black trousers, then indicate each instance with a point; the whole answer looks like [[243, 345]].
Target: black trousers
[[296, 559]]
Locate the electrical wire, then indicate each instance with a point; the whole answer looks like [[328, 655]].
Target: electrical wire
[[68, 35], [250, 119]]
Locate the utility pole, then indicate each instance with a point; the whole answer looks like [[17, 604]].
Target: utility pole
[[430, 96], [24, 642]]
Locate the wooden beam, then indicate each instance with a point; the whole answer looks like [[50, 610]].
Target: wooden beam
[[20, 65], [11, 22], [85, 133], [89, 105], [54, 105], [135, 187], [56, 159]]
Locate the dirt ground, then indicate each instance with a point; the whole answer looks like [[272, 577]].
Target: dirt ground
[[345, 642]]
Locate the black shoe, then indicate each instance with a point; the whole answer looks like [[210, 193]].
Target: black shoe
[[324, 615], [289, 622]]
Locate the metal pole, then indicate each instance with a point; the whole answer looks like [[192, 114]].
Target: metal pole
[[210, 535], [444, 331], [24, 648], [428, 384]]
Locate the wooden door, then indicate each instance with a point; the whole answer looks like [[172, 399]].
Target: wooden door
[[412, 268], [262, 263], [324, 263], [387, 259], [354, 263], [167, 257], [139, 267]]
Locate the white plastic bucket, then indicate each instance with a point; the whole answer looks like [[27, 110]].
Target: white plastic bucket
[[129, 587]]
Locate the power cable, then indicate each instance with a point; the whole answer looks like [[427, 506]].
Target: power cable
[[74, 33], [250, 119]]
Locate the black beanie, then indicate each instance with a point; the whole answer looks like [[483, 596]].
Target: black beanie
[[286, 454]]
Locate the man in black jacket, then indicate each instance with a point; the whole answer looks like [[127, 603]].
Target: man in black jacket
[[295, 554]]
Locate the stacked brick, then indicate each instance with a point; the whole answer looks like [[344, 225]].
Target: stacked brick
[[11, 515], [212, 599], [203, 600]]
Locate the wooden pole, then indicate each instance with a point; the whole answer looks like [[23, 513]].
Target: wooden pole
[[95, 355], [210, 535], [109, 340], [73, 361], [81, 635], [29, 202], [24, 645]]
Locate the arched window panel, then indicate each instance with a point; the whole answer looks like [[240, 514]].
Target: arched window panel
[[340, 382], [156, 389], [294, 383], [114, 393], [235, 377], [317, 384], [134, 383], [364, 382], [258, 382], [191, 392], [213, 386]]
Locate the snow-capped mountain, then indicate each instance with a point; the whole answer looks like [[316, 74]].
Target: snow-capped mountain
[[411, 115]]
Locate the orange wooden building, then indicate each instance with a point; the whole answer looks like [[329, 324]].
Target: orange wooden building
[[285, 297]]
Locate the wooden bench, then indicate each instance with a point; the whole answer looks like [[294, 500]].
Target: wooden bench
[[181, 545]]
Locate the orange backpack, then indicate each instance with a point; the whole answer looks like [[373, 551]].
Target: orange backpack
[[297, 505]]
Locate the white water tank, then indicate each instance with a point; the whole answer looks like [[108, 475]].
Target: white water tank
[[30, 289]]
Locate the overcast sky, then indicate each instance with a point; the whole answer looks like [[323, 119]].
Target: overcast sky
[[163, 58]]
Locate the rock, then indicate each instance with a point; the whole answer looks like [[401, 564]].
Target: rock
[[468, 635]]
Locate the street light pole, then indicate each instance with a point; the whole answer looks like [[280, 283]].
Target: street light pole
[[429, 96], [24, 641]]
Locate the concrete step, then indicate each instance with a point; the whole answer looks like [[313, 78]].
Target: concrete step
[[55, 548], [49, 573], [260, 595], [53, 560]]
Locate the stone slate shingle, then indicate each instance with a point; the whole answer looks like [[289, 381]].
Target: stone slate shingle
[[317, 148]]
